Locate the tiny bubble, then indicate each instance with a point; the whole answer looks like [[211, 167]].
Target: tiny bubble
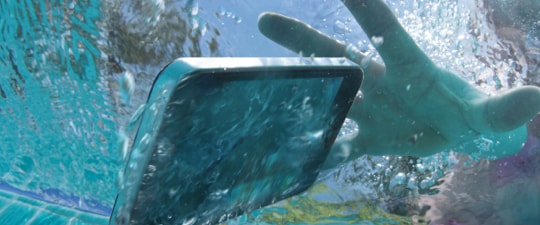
[[352, 52], [127, 87], [377, 41], [367, 59], [340, 27]]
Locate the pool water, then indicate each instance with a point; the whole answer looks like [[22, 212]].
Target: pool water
[[22, 209], [74, 72]]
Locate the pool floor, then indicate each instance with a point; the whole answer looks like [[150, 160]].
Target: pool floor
[[17, 209]]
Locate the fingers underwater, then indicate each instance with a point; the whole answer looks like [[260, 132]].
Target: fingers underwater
[[512, 109], [298, 36]]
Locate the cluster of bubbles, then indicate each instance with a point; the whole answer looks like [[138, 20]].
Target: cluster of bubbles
[[230, 15], [459, 36]]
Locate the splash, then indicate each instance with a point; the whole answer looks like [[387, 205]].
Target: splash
[[459, 36]]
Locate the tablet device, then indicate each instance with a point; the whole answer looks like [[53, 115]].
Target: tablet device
[[223, 136]]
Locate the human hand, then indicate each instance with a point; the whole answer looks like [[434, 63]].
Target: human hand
[[409, 106]]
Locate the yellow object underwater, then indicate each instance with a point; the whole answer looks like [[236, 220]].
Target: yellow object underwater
[[306, 209]]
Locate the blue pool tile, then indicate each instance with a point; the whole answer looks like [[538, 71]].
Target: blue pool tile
[[17, 209]]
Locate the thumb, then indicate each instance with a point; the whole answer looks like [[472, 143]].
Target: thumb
[[512, 109]]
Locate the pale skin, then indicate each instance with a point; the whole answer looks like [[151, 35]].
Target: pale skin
[[410, 106]]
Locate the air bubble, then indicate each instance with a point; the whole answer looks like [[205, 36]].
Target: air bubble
[[238, 19], [228, 14], [348, 131], [173, 191], [377, 41], [340, 27], [484, 144], [367, 59], [192, 6], [127, 87], [120, 181], [352, 52], [217, 195], [136, 117], [124, 143], [190, 221], [398, 180], [420, 168], [426, 183]]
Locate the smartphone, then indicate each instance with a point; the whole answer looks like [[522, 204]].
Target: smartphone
[[224, 136]]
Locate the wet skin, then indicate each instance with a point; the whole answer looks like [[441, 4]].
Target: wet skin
[[409, 105]]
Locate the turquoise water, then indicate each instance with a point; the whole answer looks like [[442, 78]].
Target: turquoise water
[[65, 95], [58, 118]]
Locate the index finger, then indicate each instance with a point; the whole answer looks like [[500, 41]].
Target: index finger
[[377, 20], [300, 37]]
